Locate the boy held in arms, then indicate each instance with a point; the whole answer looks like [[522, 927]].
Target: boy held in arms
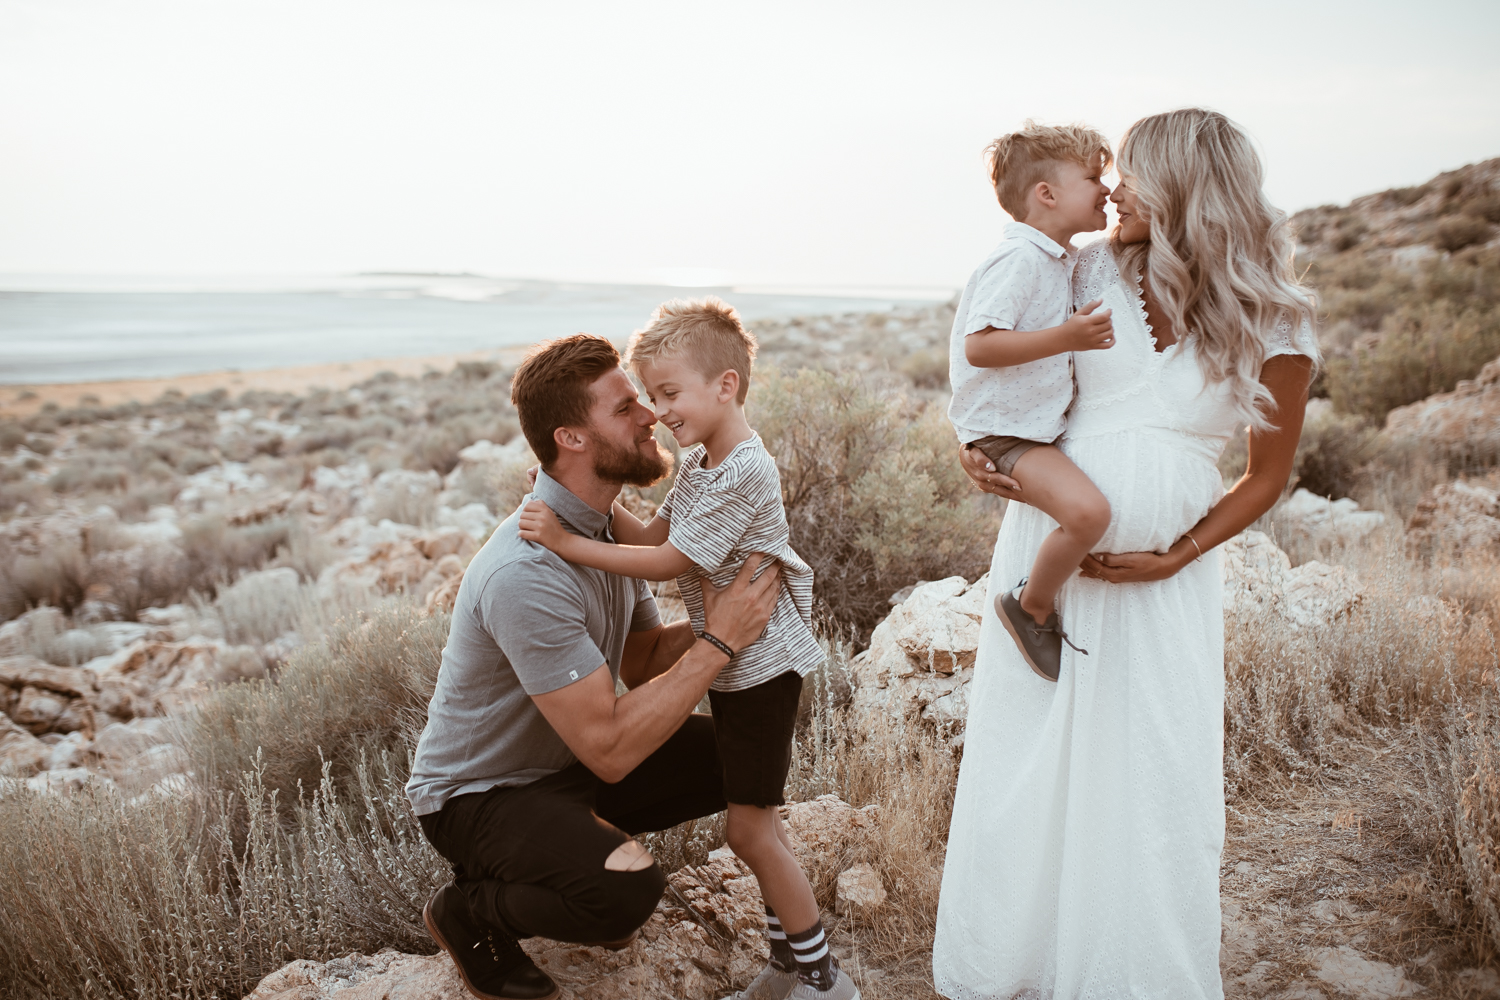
[[1010, 361], [694, 360]]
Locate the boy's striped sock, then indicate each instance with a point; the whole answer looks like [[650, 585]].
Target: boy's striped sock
[[814, 960], [781, 951]]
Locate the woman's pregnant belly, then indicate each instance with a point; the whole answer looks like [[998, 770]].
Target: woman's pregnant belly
[[1158, 484]]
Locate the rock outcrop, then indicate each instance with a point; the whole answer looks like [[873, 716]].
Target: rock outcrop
[[1458, 517], [1259, 580], [416, 564], [1464, 423], [1323, 519], [921, 658]]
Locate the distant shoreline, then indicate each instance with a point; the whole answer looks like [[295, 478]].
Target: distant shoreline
[[24, 399]]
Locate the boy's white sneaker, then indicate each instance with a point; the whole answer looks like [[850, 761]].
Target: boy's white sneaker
[[843, 988], [771, 984]]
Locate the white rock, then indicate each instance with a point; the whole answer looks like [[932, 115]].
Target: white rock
[[219, 483], [346, 479], [68, 752], [1259, 580], [858, 891], [1457, 517], [937, 629], [21, 754], [1349, 971], [473, 518], [1326, 519]]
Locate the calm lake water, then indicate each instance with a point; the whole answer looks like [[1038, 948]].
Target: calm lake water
[[51, 331]]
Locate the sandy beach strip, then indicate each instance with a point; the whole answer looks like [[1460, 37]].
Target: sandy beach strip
[[24, 400]]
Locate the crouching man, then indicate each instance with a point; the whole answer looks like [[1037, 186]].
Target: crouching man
[[532, 776]]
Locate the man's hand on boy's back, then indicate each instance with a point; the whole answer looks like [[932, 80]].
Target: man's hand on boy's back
[[737, 614], [1088, 330]]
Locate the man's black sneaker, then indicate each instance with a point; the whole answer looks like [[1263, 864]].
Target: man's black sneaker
[[489, 960], [1040, 645]]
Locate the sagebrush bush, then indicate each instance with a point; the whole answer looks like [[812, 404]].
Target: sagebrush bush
[[1422, 349], [162, 898], [362, 689], [874, 494], [1459, 231]]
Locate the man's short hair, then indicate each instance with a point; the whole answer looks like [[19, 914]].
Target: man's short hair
[[554, 387], [705, 333], [1019, 161]]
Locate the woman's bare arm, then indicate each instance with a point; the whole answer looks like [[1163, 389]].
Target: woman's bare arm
[[1271, 456]]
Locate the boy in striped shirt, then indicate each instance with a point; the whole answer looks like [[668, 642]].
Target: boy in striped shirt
[[694, 359]]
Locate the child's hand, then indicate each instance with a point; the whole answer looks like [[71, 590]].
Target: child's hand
[[1087, 330], [538, 524]]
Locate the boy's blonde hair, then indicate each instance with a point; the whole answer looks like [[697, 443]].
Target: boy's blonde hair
[[1019, 161], [706, 333]]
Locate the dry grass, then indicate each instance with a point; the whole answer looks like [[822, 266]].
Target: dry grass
[[161, 899]]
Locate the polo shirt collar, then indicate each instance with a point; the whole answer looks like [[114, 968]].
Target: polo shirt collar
[[570, 510], [1021, 231]]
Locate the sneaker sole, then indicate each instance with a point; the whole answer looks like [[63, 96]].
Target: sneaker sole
[[620, 945], [1021, 646], [443, 944]]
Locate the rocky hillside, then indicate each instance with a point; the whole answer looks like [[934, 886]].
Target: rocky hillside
[[1408, 281]]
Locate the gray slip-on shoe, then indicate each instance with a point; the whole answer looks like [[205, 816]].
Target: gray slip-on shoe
[[771, 984], [843, 988], [1040, 645]]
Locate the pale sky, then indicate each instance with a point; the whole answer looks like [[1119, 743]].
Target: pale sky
[[759, 143]]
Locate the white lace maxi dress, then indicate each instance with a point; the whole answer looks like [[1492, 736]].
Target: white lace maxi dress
[[1083, 858]]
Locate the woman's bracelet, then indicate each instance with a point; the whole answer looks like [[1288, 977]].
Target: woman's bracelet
[[715, 640], [1189, 536]]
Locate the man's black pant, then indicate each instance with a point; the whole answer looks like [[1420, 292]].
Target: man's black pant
[[531, 859]]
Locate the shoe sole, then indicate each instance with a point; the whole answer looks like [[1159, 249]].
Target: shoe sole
[[620, 945], [443, 944], [1021, 646]]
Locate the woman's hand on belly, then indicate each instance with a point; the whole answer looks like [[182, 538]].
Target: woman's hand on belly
[[982, 471], [1137, 567]]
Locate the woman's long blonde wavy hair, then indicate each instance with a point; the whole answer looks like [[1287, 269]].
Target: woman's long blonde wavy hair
[[1220, 256]]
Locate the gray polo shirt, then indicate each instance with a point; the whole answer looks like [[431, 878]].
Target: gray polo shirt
[[525, 623]]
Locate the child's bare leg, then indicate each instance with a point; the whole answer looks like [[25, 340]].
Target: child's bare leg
[[1058, 488], [755, 834]]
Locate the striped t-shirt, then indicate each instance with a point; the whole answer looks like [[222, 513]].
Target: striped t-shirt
[[717, 517]]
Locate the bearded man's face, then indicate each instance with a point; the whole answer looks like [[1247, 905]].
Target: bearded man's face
[[641, 464]]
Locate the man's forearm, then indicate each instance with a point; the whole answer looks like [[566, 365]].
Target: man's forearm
[[645, 716], [992, 348]]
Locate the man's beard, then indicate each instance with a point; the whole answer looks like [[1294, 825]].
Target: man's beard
[[629, 466]]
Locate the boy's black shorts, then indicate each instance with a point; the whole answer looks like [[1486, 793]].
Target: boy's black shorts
[[754, 730]]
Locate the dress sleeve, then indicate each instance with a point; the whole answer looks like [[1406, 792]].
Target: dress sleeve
[[1284, 341]]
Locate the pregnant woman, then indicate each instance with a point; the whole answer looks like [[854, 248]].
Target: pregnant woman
[[1083, 858]]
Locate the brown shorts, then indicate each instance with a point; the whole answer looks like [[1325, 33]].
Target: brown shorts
[[1004, 450]]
